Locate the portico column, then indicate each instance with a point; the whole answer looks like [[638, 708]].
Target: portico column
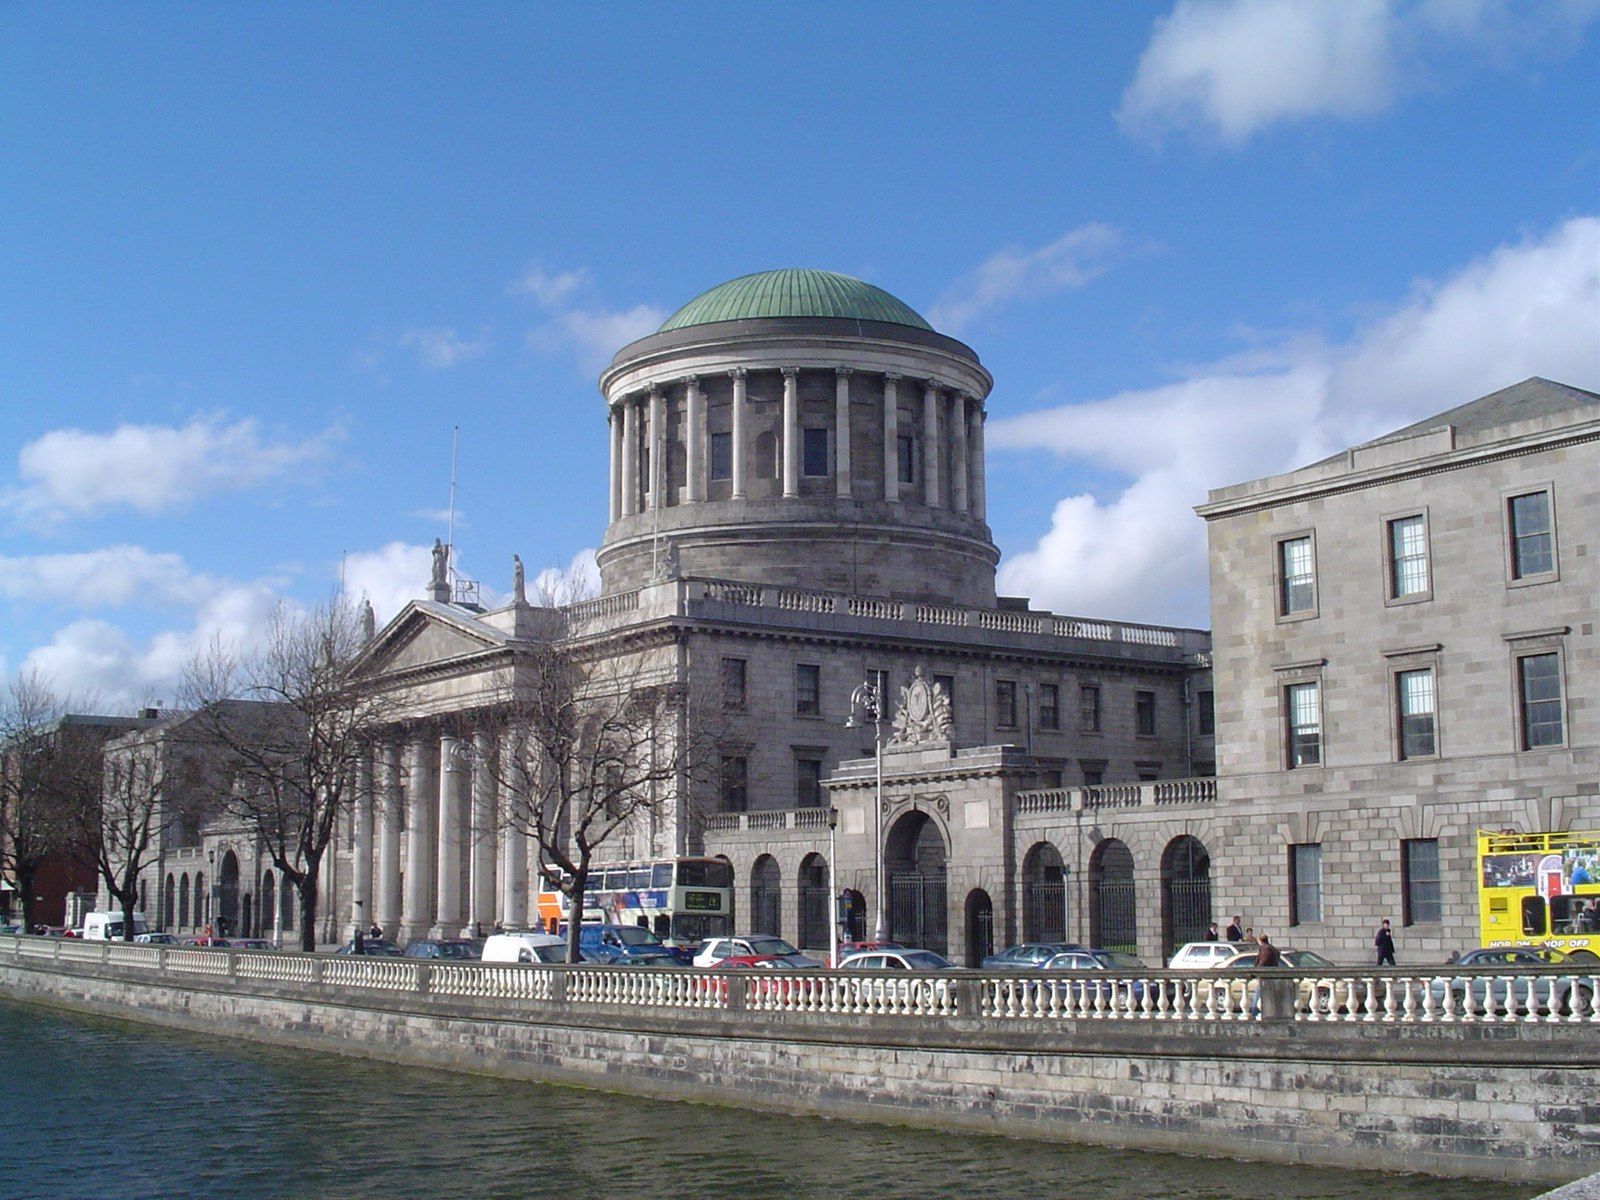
[[389, 801], [891, 437], [980, 499], [630, 457], [422, 795], [739, 457], [361, 852], [452, 786], [694, 438], [932, 452], [958, 464], [657, 431], [513, 839], [841, 433], [614, 421], [481, 853], [791, 431]]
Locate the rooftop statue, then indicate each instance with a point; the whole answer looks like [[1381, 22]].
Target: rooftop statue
[[519, 583]]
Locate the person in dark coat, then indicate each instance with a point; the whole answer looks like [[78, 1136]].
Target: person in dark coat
[[1267, 954], [1211, 933], [1235, 930], [1383, 940]]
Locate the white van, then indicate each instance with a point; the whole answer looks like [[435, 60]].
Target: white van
[[107, 927], [524, 946]]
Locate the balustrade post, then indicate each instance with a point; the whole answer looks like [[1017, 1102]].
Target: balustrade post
[[424, 978], [316, 970]]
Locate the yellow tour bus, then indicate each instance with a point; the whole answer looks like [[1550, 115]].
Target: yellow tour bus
[[1540, 890]]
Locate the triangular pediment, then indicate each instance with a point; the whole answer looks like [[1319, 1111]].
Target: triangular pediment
[[422, 637]]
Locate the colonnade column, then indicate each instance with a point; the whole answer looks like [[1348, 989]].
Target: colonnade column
[[841, 435], [979, 486], [361, 851], [389, 799], [930, 445], [891, 437], [614, 421], [657, 434], [958, 464], [791, 431], [481, 851], [513, 839], [694, 436], [740, 403], [422, 797], [452, 786], [630, 457]]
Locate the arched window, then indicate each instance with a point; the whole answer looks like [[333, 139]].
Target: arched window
[[1044, 895], [766, 882], [1112, 923]]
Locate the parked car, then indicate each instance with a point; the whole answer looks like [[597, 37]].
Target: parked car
[[1501, 993], [208, 942], [1027, 956], [1241, 995], [452, 948], [375, 947], [251, 944], [754, 950], [107, 926], [1201, 956], [156, 939], [1083, 992], [899, 959], [846, 949], [899, 977], [615, 943], [526, 946]]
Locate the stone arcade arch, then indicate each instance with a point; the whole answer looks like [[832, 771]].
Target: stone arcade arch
[[1185, 893], [814, 900], [269, 897], [766, 896], [1044, 895], [183, 902], [199, 898], [228, 896], [914, 857], [169, 911], [980, 926], [1112, 917]]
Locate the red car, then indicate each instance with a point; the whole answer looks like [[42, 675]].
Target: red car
[[213, 943]]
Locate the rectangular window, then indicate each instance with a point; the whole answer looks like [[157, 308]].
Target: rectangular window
[[1005, 704], [1303, 707], [1532, 546], [733, 683], [1094, 774], [808, 782], [1049, 706], [735, 783], [722, 456], [1408, 557], [1305, 884], [908, 461], [808, 689], [814, 452], [1414, 694], [1205, 707], [1419, 878], [1297, 581], [1144, 714], [1539, 686], [948, 683], [1089, 707]]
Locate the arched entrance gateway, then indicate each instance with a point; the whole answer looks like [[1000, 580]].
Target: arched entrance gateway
[[814, 902], [914, 857], [766, 883], [1044, 895], [1111, 911], [980, 926], [1185, 893], [228, 899]]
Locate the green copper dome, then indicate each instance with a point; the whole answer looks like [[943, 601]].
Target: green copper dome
[[798, 293]]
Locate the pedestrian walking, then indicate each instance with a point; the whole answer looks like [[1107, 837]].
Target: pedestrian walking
[[1383, 940], [1266, 953]]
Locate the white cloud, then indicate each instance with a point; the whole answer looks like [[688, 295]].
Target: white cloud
[[110, 577], [390, 577], [445, 348], [151, 469], [580, 578], [1014, 273], [594, 335], [548, 288], [1234, 67], [1525, 309]]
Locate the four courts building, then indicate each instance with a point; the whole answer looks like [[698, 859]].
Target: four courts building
[[1405, 642]]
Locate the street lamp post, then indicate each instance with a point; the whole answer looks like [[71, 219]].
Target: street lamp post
[[833, 887], [866, 704]]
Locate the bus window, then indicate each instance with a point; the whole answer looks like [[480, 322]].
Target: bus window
[[1569, 914], [1533, 916], [661, 875], [639, 879], [705, 873]]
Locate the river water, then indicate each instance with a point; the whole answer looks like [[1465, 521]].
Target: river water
[[93, 1108]]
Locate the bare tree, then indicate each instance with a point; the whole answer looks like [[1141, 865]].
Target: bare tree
[[37, 776], [292, 724]]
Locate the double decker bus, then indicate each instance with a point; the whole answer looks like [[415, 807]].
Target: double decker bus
[[683, 901], [1540, 890]]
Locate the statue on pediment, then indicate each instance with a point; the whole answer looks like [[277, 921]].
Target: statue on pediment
[[369, 620], [441, 564], [519, 582], [924, 713]]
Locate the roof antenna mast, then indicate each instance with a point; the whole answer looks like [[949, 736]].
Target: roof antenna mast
[[450, 528]]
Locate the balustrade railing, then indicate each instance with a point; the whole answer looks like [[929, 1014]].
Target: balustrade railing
[[1200, 789], [1562, 995]]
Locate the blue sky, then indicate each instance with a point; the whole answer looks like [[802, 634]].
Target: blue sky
[[256, 262]]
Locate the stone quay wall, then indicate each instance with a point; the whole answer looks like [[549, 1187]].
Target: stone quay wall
[[1514, 1099]]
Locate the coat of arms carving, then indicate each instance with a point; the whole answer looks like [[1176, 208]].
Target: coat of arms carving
[[923, 715]]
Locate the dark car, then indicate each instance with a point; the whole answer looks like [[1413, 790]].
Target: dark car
[[451, 948], [377, 947], [629, 943], [1028, 956], [1085, 993]]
